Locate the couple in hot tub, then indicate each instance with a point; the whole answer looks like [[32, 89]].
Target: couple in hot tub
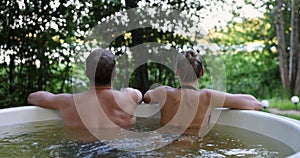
[[178, 105]]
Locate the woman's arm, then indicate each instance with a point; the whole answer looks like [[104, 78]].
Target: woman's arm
[[242, 101], [158, 95], [234, 101]]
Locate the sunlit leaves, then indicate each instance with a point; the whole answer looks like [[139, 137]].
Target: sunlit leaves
[[38, 40]]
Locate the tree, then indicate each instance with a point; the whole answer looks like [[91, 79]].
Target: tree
[[282, 52], [38, 40], [289, 68], [108, 33], [295, 54], [283, 16], [249, 56]]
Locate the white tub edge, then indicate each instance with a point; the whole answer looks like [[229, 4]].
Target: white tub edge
[[247, 119], [25, 114], [284, 129]]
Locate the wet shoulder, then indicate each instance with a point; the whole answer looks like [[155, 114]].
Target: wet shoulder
[[64, 97], [64, 100], [122, 94], [204, 91], [164, 90], [167, 88], [205, 95]]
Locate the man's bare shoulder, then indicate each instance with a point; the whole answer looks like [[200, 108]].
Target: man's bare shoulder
[[83, 96], [86, 93], [126, 90], [65, 97]]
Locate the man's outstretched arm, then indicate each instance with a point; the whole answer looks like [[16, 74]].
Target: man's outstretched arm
[[47, 100], [135, 94], [147, 97]]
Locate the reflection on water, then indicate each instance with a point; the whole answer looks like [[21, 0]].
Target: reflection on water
[[51, 139]]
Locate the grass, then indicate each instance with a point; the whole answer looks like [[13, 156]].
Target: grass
[[282, 104], [296, 117]]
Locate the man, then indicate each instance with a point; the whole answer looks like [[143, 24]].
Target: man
[[98, 107], [187, 106]]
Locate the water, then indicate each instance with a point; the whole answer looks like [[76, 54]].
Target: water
[[51, 139]]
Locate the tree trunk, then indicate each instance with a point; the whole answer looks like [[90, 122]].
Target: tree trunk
[[283, 62], [294, 53], [141, 75], [11, 73]]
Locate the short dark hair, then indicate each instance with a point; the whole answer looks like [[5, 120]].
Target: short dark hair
[[189, 66], [100, 65]]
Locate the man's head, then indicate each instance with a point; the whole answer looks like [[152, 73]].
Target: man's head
[[100, 66], [189, 66]]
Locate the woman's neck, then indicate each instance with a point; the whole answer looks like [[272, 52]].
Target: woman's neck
[[102, 87], [193, 84]]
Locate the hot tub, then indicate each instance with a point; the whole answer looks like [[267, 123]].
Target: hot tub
[[280, 128]]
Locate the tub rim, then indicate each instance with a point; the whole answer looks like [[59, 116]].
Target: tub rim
[[241, 119]]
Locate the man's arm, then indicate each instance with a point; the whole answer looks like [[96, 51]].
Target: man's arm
[[48, 100], [147, 98], [234, 101], [135, 94]]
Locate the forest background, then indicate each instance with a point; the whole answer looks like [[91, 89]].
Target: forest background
[[39, 42]]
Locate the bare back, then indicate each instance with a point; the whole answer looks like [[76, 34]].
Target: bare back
[[92, 109], [182, 107], [107, 108], [192, 108], [185, 107]]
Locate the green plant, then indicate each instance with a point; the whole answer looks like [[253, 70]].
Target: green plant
[[296, 117], [282, 104]]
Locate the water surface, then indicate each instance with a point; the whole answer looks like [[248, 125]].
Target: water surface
[[51, 139]]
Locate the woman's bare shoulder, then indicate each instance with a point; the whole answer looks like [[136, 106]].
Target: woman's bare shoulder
[[168, 88], [206, 92]]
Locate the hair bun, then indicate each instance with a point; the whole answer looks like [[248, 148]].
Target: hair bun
[[195, 62], [190, 54]]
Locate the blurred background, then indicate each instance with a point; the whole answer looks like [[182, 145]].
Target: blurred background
[[258, 42]]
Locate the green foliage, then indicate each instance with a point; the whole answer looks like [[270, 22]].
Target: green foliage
[[39, 39], [282, 104], [250, 56], [255, 73], [37, 42], [296, 117], [142, 76]]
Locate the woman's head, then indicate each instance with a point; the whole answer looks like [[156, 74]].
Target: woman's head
[[189, 66], [100, 65]]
